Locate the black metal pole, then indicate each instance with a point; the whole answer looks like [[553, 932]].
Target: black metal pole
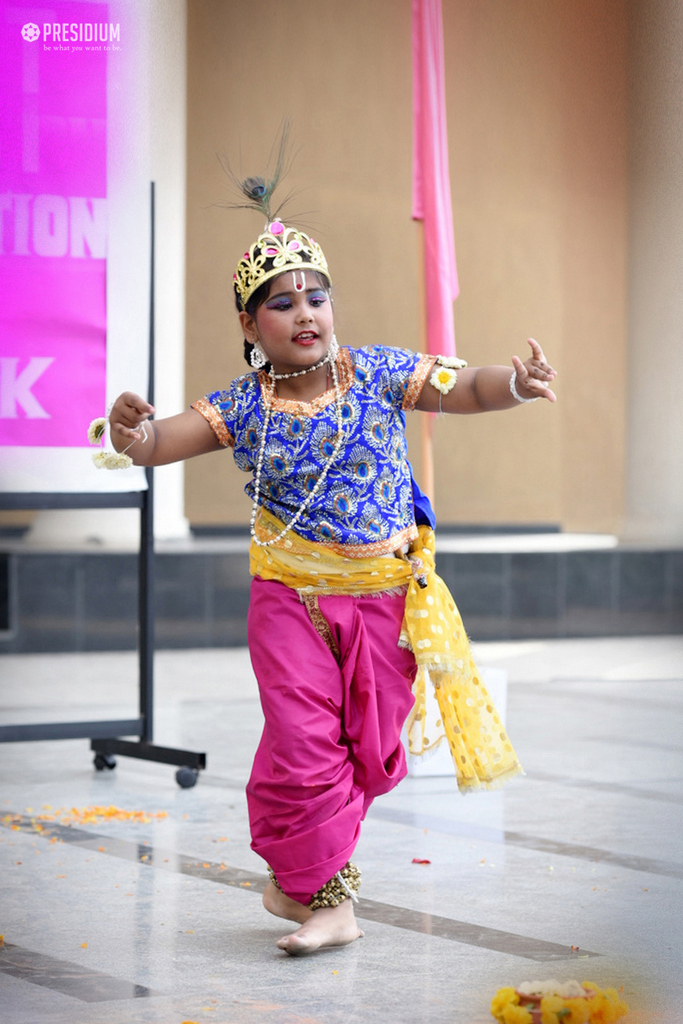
[[146, 567]]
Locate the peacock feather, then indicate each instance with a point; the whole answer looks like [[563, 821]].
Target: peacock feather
[[258, 190]]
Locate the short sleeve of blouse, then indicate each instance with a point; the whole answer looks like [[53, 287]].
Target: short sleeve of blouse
[[221, 409], [402, 372]]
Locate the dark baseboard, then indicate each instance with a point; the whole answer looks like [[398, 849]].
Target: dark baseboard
[[88, 601]]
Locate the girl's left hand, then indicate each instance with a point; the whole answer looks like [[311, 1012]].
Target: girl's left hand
[[534, 376]]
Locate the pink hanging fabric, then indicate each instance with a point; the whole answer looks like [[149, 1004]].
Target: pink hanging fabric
[[431, 179]]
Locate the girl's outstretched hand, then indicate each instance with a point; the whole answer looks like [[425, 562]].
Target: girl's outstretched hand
[[128, 412], [535, 374]]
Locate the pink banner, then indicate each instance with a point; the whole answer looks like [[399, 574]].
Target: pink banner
[[431, 178], [53, 229]]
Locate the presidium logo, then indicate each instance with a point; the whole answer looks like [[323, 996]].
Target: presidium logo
[[64, 32], [30, 32]]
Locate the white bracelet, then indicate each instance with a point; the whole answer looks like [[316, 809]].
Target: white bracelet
[[514, 392]]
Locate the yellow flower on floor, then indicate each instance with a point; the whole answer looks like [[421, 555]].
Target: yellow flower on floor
[[579, 1011], [552, 1008], [606, 1007], [602, 1011], [503, 997], [516, 1015], [619, 1003]]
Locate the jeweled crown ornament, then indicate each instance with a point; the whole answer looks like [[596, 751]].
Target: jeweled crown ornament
[[279, 248]]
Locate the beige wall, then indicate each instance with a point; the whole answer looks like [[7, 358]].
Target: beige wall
[[536, 95]]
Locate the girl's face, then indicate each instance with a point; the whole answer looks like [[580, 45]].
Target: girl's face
[[294, 324]]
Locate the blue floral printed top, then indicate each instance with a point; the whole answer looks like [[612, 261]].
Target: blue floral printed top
[[365, 507]]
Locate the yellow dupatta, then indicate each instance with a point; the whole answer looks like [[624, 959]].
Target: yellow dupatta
[[462, 713]]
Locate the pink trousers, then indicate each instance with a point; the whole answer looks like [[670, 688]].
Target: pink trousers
[[334, 709]]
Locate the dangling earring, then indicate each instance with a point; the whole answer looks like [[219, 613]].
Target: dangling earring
[[333, 350], [257, 357]]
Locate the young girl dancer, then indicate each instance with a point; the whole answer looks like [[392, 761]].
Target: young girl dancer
[[351, 632]]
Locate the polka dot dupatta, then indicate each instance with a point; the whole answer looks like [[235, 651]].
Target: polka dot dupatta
[[451, 701]]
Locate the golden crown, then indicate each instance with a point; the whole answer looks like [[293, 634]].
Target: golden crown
[[275, 251]]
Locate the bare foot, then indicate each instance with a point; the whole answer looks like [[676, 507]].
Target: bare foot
[[329, 926], [275, 901]]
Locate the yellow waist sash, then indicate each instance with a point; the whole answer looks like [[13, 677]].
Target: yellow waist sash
[[456, 706]]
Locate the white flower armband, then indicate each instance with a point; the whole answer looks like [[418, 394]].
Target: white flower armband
[[443, 379], [444, 376]]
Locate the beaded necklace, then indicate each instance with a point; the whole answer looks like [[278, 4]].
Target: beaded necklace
[[330, 359]]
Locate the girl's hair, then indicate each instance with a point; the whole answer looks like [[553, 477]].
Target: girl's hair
[[260, 296]]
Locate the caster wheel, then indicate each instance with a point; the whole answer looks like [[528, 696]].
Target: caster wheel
[[187, 777], [104, 762]]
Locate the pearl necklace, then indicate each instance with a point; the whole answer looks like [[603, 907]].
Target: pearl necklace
[[329, 357], [326, 468]]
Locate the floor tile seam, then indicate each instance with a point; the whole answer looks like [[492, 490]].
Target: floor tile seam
[[238, 878], [46, 970], [498, 939], [224, 781], [616, 788], [525, 840], [629, 862], [145, 854], [646, 704], [161, 705], [558, 681], [626, 741]]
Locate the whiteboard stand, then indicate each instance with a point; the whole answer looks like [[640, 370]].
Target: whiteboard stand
[[105, 736]]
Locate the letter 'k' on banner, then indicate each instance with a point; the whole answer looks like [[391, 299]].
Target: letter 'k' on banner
[[431, 179], [53, 224]]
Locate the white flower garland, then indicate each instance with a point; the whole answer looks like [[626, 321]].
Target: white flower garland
[[97, 432], [452, 362]]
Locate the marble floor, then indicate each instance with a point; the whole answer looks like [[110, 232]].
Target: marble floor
[[572, 871]]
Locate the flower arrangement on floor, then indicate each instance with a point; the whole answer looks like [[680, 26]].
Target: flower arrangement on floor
[[110, 460], [554, 1002]]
